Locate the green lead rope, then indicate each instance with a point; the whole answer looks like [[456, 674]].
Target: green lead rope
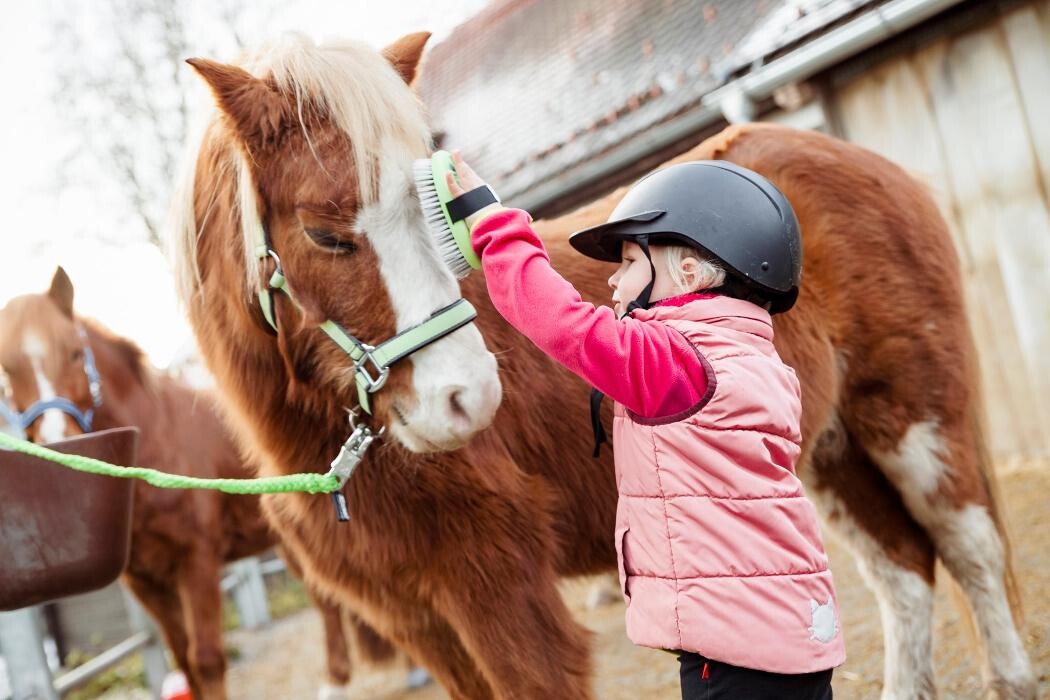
[[305, 483]]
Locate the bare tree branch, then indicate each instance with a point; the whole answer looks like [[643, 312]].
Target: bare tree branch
[[122, 87]]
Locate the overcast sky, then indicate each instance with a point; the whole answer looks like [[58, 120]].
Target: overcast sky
[[128, 287]]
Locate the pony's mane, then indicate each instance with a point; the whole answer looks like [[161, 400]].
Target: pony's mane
[[130, 354], [350, 82]]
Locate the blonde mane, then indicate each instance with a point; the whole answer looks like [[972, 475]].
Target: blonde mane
[[350, 82]]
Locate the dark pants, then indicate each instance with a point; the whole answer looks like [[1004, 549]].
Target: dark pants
[[703, 679]]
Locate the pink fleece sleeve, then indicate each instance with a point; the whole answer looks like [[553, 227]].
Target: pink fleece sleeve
[[647, 366]]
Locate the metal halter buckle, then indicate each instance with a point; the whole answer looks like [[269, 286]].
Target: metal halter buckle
[[373, 384], [350, 455], [353, 450]]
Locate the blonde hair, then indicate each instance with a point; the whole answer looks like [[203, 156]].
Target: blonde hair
[[709, 273]]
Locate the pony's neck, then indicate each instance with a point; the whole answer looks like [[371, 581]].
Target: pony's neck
[[125, 396]]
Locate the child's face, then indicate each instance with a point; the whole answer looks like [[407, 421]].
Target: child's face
[[633, 274]]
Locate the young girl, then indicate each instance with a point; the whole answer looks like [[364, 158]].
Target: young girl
[[720, 553]]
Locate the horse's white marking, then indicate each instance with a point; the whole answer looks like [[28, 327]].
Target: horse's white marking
[[604, 591], [330, 691], [824, 623], [972, 550], [905, 606], [918, 464], [969, 545], [53, 422], [419, 283]]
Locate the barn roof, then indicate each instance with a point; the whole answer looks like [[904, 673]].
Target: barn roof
[[527, 88]]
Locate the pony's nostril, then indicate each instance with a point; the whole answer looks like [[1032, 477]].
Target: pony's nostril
[[455, 404]]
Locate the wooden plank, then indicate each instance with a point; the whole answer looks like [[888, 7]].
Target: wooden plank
[[1000, 205], [889, 111], [93, 621], [1027, 34]]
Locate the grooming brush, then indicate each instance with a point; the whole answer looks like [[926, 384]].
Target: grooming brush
[[453, 237]]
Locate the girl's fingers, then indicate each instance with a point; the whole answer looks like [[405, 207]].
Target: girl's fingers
[[467, 176], [453, 186]]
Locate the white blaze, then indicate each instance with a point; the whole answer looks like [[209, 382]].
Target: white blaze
[[419, 283], [53, 422]]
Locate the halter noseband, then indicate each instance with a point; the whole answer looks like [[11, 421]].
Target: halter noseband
[[83, 419]]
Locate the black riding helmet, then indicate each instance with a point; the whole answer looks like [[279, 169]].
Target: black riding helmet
[[732, 214]]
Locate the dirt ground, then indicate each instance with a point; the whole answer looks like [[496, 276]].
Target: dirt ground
[[286, 660]]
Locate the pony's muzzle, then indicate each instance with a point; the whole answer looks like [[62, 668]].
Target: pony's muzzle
[[447, 412]]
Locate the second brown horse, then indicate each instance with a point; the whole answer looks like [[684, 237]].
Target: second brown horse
[[181, 539]]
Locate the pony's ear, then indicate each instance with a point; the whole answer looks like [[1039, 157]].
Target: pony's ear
[[253, 107], [61, 291], [404, 54]]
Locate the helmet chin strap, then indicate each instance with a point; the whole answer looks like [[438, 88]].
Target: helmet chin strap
[[642, 302]]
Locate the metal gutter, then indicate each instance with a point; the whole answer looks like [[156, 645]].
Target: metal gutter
[[736, 101]]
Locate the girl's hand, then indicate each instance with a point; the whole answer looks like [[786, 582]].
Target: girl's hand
[[468, 180]]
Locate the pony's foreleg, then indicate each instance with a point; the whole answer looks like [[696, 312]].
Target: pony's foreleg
[[893, 554], [494, 580], [164, 606], [430, 640], [337, 650], [519, 631], [200, 593], [947, 491], [336, 646]]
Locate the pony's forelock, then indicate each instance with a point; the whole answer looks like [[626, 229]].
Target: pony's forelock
[[348, 81]]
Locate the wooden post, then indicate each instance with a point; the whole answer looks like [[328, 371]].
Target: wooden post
[[153, 659], [22, 645], [249, 595]]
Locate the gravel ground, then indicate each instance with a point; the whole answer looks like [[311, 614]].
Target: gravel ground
[[286, 660]]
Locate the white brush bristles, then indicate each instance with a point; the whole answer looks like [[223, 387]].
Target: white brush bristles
[[438, 224]]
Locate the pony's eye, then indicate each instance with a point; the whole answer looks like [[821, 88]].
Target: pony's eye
[[330, 241]]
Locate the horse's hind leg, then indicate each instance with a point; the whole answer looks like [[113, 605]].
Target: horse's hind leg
[[936, 464], [893, 554]]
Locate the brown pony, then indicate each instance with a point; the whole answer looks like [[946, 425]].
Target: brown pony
[[455, 554], [180, 539]]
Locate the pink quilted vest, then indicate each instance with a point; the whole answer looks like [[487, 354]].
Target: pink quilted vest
[[719, 549]]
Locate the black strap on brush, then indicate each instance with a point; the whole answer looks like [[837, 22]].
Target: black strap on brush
[[471, 202], [642, 302]]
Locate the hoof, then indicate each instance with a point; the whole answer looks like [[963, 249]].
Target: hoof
[[417, 678], [604, 592], [332, 692]]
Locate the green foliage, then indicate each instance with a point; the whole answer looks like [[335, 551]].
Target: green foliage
[[287, 595], [127, 675]]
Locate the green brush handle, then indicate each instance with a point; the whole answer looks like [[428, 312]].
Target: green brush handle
[[441, 163]]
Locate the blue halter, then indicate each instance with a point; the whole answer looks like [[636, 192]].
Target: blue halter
[[83, 418]]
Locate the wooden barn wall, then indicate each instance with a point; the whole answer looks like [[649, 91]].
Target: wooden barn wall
[[969, 115]]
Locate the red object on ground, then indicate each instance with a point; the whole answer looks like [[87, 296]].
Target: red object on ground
[[175, 687]]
